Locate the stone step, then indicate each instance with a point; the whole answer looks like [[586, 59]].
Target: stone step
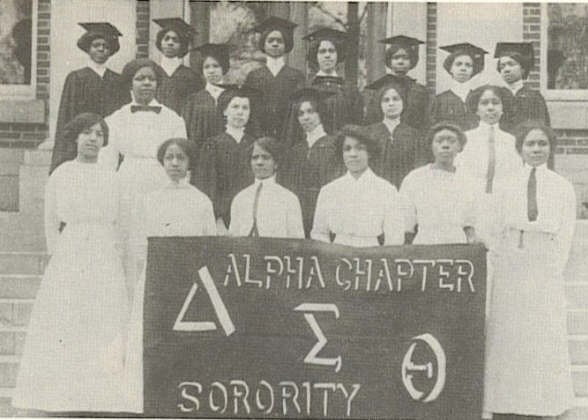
[[580, 380], [578, 345], [578, 321], [19, 286], [22, 262], [577, 294]]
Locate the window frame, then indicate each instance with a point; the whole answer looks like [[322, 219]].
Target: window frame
[[24, 92]]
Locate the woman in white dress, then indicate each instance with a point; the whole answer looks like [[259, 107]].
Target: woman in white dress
[[73, 356], [265, 208], [176, 209], [136, 132], [359, 207], [440, 202], [527, 360]]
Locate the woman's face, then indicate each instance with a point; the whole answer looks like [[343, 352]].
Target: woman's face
[[462, 68], [400, 62], [391, 104], [489, 107], [99, 51], [170, 44], [510, 69], [355, 155], [175, 162], [237, 112], [326, 56], [308, 116], [144, 85], [445, 146], [212, 71], [535, 148], [263, 164], [90, 141], [274, 44]]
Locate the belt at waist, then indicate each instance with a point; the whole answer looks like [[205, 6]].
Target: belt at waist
[[524, 238]]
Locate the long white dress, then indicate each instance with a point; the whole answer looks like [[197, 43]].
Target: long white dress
[[137, 136], [174, 210], [441, 203], [357, 211], [74, 351], [278, 211], [527, 360]]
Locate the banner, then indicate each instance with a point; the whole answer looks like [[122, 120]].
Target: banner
[[273, 328]]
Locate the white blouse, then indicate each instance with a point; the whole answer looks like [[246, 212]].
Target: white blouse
[[278, 211], [357, 211], [79, 193], [138, 135], [442, 203]]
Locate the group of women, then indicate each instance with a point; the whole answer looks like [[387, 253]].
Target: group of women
[[174, 153]]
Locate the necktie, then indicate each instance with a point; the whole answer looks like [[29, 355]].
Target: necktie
[[145, 108], [254, 232], [491, 161], [532, 210]]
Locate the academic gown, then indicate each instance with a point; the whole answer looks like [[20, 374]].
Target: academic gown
[[306, 170], [173, 91], [85, 91], [400, 151], [417, 108], [447, 106], [224, 169], [345, 106], [527, 104], [276, 91], [202, 118]]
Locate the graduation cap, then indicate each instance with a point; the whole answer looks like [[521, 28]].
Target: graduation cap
[[464, 48], [522, 52], [232, 90], [220, 52], [99, 30], [407, 43], [327, 34], [309, 94], [396, 82], [274, 23]]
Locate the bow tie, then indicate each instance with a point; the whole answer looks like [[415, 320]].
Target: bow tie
[[146, 108]]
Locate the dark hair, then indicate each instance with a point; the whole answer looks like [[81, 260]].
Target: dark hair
[[224, 64], [477, 65], [446, 125], [227, 96], [413, 54], [503, 94], [523, 129], [184, 144], [382, 91], [361, 135], [270, 145], [524, 62], [288, 40], [184, 40], [86, 40], [133, 66], [80, 123], [314, 47]]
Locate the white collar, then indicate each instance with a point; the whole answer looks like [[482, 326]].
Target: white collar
[[540, 168], [322, 73], [170, 65], [274, 65], [152, 103], [236, 133], [100, 69], [215, 91], [315, 134], [267, 181], [486, 127], [516, 86], [461, 89], [391, 124], [365, 177], [181, 184]]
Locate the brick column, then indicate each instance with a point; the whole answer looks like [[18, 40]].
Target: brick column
[[431, 49], [532, 33], [142, 34]]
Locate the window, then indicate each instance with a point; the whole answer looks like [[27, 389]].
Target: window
[[17, 47], [565, 51]]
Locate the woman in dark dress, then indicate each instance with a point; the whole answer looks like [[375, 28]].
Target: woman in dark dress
[[401, 146], [463, 63], [93, 88], [203, 120], [275, 79], [223, 168], [178, 81], [311, 162], [401, 57]]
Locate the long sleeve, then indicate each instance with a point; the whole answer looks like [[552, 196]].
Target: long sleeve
[[410, 212], [208, 221], [65, 114], [393, 219], [109, 154], [52, 222], [568, 224], [295, 227], [320, 227]]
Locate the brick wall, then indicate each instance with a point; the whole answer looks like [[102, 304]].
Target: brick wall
[[432, 46], [142, 35]]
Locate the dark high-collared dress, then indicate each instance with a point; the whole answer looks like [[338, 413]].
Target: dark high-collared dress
[[276, 91], [174, 90], [527, 104], [447, 106], [344, 106], [202, 118], [306, 170], [85, 90], [400, 151]]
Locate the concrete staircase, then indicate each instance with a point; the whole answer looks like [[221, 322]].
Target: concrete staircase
[[23, 258]]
